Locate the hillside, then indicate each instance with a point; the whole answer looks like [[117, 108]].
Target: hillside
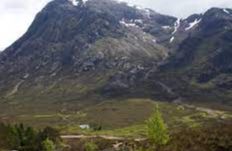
[[96, 70], [203, 58], [77, 55], [73, 50]]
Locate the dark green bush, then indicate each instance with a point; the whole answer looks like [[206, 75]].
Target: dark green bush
[[21, 138]]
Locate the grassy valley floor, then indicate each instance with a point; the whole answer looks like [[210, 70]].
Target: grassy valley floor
[[121, 125], [119, 118]]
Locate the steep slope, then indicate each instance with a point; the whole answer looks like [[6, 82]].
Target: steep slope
[[74, 49], [203, 58]]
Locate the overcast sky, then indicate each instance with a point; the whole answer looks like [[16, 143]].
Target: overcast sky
[[17, 15]]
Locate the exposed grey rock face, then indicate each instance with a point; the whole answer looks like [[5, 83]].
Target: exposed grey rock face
[[107, 48], [68, 40]]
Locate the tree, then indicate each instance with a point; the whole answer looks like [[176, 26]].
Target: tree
[[48, 145], [21, 138], [157, 129]]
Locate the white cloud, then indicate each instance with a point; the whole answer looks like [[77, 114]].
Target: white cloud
[[181, 8], [17, 15]]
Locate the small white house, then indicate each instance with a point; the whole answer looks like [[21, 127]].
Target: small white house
[[84, 126]]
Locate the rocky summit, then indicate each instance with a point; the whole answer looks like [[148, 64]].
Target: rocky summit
[[93, 50]]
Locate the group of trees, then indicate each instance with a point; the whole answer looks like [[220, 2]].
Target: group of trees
[[21, 138]]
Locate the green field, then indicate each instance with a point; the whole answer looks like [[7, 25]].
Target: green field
[[120, 118]]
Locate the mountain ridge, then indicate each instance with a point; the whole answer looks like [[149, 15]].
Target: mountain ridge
[[95, 50]]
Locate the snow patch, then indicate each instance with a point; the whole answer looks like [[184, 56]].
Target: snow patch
[[84, 1], [26, 76], [176, 26], [127, 24], [74, 2], [172, 39], [226, 11], [192, 24], [138, 21], [148, 12], [166, 27], [130, 5], [139, 7]]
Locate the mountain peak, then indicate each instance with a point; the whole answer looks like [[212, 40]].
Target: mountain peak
[[218, 12], [68, 42]]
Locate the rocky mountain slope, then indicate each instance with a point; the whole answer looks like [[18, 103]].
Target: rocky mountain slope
[[203, 58], [85, 51]]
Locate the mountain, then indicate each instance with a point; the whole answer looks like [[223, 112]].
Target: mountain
[[203, 58], [67, 44], [85, 51]]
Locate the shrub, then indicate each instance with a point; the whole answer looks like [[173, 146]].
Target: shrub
[[48, 145], [90, 146], [96, 127], [49, 133]]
